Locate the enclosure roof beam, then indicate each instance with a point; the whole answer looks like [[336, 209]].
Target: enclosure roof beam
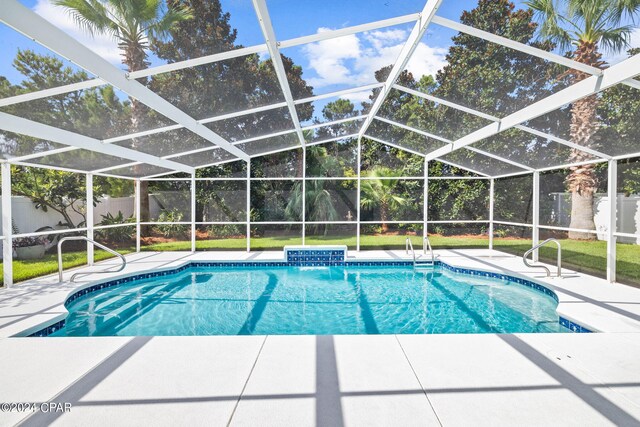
[[512, 44], [44, 93], [116, 167], [568, 165], [29, 23], [512, 174], [391, 144], [61, 136], [499, 158], [632, 83], [335, 122], [276, 59], [414, 130], [496, 119], [331, 34], [226, 116], [271, 135], [194, 62], [594, 84], [448, 141], [65, 169], [280, 150], [626, 156], [450, 163], [39, 154], [564, 142], [428, 12], [531, 50], [445, 102], [208, 59]]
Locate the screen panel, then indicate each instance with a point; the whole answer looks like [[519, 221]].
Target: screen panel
[[267, 145], [221, 201], [404, 138], [80, 159], [530, 150], [428, 116], [226, 86], [479, 163], [253, 125], [614, 129]]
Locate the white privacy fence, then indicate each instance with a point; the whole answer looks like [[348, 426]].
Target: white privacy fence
[[27, 218], [627, 218]]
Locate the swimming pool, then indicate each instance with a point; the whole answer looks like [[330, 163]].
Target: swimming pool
[[347, 299]]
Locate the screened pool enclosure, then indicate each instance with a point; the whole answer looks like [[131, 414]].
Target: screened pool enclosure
[[456, 120]]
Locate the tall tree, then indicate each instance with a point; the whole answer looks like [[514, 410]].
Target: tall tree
[[224, 86], [493, 79], [379, 193], [88, 111], [229, 86], [585, 28], [132, 23]]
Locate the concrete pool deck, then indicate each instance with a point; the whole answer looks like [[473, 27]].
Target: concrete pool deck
[[488, 379]]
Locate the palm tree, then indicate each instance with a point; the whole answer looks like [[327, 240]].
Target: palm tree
[[378, 192], [585, 27], [319, 205], [132, 23]]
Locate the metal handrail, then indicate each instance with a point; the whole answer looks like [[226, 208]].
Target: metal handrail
[[428, 246], [407, 245], [103, 247], [526, 254]]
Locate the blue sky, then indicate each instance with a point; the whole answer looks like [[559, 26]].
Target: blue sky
[[328, 66]]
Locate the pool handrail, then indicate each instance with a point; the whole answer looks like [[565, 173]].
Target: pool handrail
[[93, 242], [426, 244], [408, 244], [559, 262]]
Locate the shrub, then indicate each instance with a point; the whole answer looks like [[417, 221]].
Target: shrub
[[226, 230], [171, 230], [115, 234]]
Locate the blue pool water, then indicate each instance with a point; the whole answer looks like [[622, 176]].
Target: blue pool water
[[312, 300]]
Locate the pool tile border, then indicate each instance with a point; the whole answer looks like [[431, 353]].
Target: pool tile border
[[326, 260]]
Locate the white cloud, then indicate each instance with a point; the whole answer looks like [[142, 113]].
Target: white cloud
[[103, 45], [329, 58], [427, 60], [357, 98], [354, 59]]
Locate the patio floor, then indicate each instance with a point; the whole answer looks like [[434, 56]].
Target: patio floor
[[488, 379]]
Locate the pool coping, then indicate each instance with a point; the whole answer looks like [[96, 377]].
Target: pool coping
[[94, 286]]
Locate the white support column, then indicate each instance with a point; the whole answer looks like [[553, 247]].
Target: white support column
[[359, 168], [425, 196], [137, 188], [248, 205], [193, 212], [491, 205], [535, 237], [89, 214], [7, 229], [612, 189], [304, 193]]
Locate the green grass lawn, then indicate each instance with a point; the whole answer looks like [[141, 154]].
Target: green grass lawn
[[589, 257], [28, 269]]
